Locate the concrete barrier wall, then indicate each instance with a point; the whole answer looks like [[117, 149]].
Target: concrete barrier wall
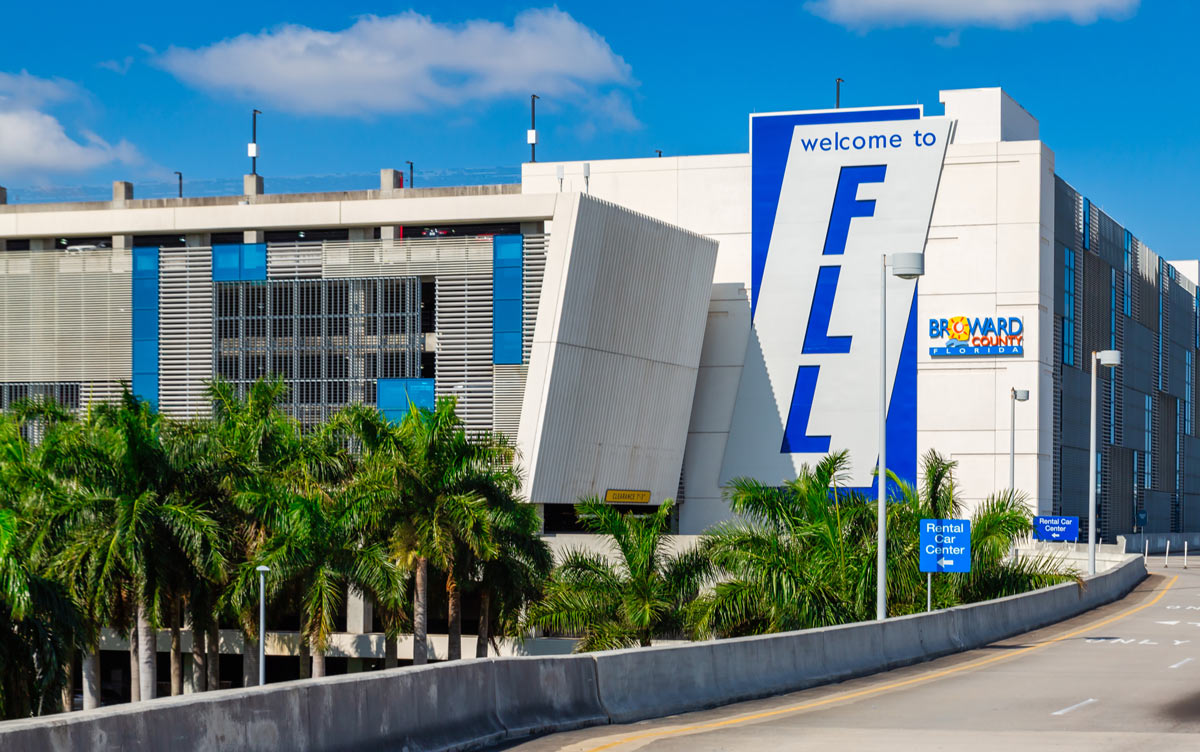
[[473, 703], [1135, 543]]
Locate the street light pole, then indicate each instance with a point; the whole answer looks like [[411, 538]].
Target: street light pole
[[905, 266], [1018, 395], [262, 623], [1108, 359]]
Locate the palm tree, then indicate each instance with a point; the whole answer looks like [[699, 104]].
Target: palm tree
[[637, 595], [139, 523], [799, 555], [40, 625], [804, 554], [510, 580], [320, 543], [425, 477]]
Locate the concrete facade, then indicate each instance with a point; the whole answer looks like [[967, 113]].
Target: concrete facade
[[1000, 222]]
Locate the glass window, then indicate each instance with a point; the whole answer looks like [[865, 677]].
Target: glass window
[[1068, 338]]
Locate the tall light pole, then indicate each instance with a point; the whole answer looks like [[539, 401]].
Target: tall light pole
[[837, 99], [252, 149], [1018, 395], [531, 136], [904, 266], [411, 175], [1108, 359], [180, 176], [262, 623]]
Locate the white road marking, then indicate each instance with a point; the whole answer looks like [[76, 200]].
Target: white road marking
[[1185, 660], [1168, 623], [1076, 706]]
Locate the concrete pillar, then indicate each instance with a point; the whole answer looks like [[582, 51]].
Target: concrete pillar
[[254, 236], [390, 180], [41, 244], [362, 234], [252, 185], [122, 241], [360, 612], [122, 191]]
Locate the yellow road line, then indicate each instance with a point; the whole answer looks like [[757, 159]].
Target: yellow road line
[[884, 687]]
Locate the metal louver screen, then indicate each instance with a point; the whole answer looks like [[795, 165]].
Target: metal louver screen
[[411, 256], [330, 340], [464, 335], [185, 328], [65, 316], [534, 269]]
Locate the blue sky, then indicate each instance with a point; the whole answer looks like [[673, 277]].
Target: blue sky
[[88, 96]]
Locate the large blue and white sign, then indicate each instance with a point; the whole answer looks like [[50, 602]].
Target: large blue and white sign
[[1056, 528], [945, 545], [832, 192]]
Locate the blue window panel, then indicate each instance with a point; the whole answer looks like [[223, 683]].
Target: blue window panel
[[227, 263], [507, 300], [145, 387], [507, 316], [144, 294], [507, 250], [393, 396], [145, 263], [506, 282], [145, 355], [506, 348], [145, 324], [1087, 224], [254, 262]]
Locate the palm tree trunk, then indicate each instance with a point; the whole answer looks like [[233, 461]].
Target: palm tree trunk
[[389, 651], [305, 659], [213, 645], [67, 699], [420, 610], [318, 663], [147, 653], [135, 682], [481, 640], [91, 679], [176, 649], [199, 658], [249, 660], [454, 617]]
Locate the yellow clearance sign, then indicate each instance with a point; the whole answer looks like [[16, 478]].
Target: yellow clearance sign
[[620, 496]]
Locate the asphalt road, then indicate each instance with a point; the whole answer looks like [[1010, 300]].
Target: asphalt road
[[1122, 677]]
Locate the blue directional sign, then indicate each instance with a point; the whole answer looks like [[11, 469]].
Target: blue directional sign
[[945, 545], [1056, 528]]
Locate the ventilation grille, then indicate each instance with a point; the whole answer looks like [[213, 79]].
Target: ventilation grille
[[414, 256], [65, 316], [509, 394], [185, 327], [532, 274], [464, 335], [294, 260]]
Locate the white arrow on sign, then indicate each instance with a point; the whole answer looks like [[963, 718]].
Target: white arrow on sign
[[1053, 535], [945, 562]]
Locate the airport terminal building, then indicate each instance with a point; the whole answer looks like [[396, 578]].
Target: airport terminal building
[[652, 328]]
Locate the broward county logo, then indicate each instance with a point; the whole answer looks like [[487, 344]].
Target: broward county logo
[[987, 336]]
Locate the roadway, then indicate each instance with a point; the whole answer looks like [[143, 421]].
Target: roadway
[[1120, 677]]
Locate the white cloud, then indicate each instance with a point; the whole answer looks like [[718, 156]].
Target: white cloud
[[949, 39], [120, 67], [409, 63], [861, 14], [32, 140]]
